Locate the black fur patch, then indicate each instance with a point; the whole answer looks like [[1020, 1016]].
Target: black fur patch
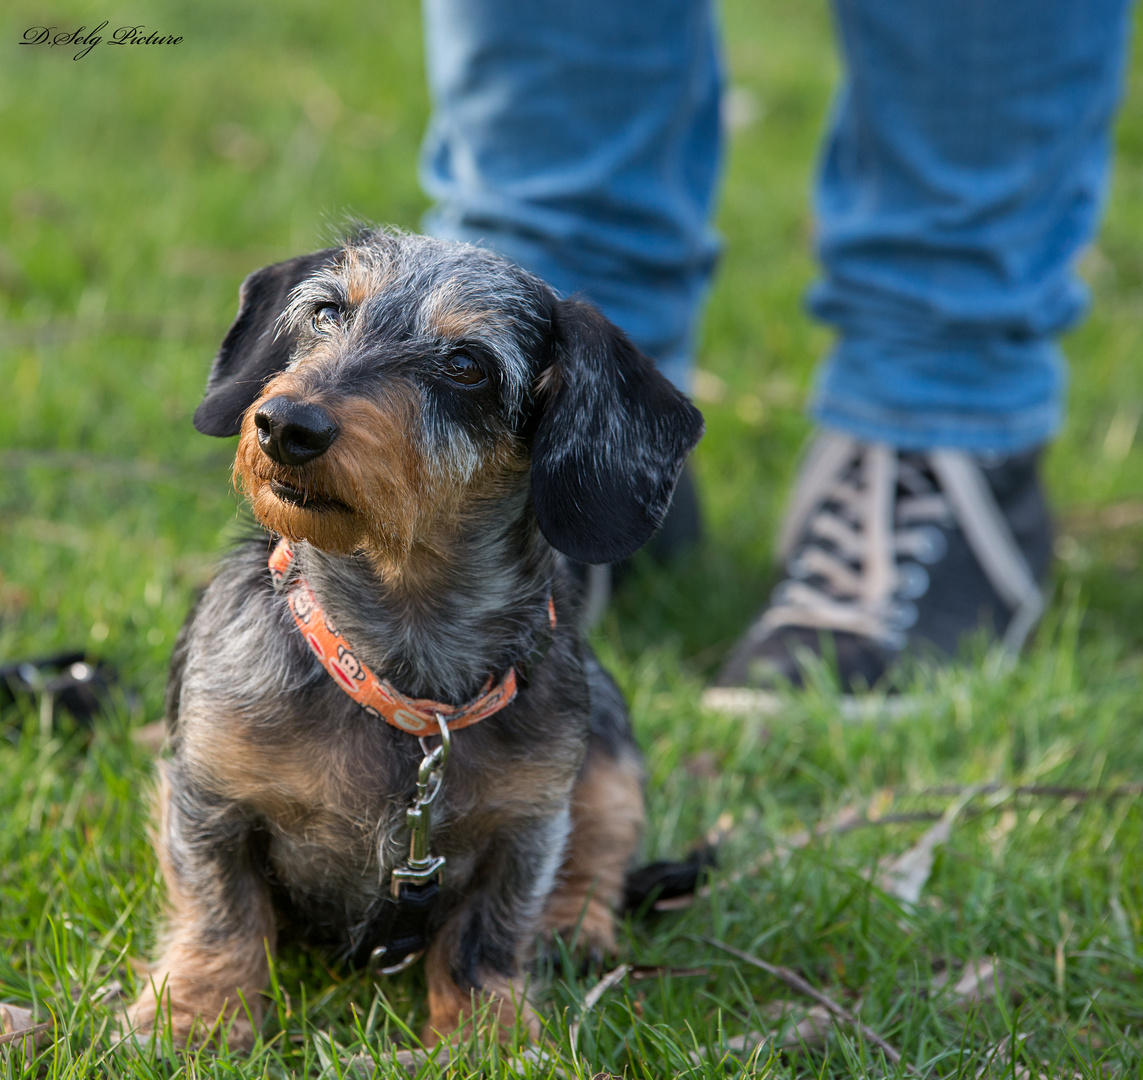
[[666, 879], [252, 352]]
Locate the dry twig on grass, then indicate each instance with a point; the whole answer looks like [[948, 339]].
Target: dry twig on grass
[[850, 818], [846, 820], [18, 1027], [613, 978], [1044, 791], [793, 980], [591, 999]]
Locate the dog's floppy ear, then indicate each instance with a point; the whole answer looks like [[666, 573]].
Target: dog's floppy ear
[[250, 353], [610, 441]]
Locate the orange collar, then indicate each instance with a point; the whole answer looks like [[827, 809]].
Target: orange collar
[[378, 697]]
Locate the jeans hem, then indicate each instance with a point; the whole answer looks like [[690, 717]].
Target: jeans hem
[[978, 432]]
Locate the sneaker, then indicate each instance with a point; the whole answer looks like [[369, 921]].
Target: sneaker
[[889, 553]]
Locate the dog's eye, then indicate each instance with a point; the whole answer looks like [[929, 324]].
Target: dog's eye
[[326, 318], [461, 368]]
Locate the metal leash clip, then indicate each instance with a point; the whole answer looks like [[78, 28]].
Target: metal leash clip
[[377, 957], [421, 866]]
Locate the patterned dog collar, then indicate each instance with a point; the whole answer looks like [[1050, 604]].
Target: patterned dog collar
[[378, 697]]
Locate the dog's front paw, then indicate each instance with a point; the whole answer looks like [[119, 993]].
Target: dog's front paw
[[494, 1013], [497, 1007], [210, 1020], [588, 931]]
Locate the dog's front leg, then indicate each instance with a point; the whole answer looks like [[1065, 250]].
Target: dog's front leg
[[607, 824], [474, 961], [220, 921]]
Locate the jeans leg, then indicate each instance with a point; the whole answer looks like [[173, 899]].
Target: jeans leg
[[964, 172], [581, 139]]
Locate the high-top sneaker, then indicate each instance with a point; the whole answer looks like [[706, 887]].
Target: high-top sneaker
[[890, 553]]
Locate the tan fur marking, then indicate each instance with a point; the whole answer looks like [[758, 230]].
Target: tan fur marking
[[459, 323], [284, 781], [607, 822], [450, 1006], [521, 790], [196, 988], [364, 276], [549, 381], [372, 467]]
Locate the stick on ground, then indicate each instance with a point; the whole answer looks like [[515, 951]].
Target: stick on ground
[[793, 980], [592, 999]]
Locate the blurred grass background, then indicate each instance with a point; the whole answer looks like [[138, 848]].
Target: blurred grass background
[[138, 186]]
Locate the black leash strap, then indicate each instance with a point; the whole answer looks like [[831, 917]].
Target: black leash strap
[[405, 929]]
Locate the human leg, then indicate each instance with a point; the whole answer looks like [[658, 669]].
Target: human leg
[[964, 172]]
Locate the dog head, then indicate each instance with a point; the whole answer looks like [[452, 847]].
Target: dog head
[[381, 387]]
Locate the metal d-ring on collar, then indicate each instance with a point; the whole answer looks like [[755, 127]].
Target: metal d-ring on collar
[[421, 874]]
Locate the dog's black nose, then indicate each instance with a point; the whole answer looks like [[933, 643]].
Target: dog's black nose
[[293, 432]]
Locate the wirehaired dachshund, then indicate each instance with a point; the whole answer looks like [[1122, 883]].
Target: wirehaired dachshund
[[422, 428]]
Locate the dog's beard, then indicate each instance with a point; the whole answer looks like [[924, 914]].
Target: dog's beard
[[331, 519], [339, 532]]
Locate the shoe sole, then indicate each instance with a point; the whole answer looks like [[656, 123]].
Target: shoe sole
[[739, 701]]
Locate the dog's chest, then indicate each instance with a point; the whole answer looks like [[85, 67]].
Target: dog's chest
[[326, 786], [330, 796]]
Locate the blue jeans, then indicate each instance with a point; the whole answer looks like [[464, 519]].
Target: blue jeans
[[964, 171], [582, 140]]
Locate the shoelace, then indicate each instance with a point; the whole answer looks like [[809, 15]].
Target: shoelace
[[863, 525]]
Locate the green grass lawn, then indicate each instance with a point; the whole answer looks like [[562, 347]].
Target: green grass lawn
[[138, 187]]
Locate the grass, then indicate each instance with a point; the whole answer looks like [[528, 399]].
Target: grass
[[140, 185]]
